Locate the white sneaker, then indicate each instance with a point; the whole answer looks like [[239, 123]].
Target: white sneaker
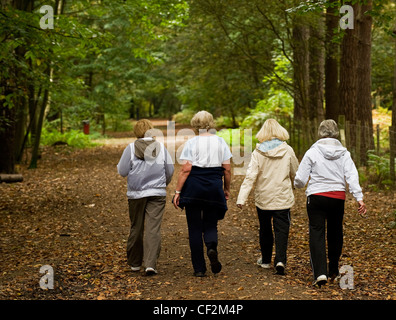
[[263, 265], [135, 269], [150, 271], [321, 280]]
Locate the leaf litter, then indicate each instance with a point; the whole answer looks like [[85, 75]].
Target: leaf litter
[[72, 214]]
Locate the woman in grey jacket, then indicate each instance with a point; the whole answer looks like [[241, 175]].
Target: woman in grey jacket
[[328, 166], [149, 169]]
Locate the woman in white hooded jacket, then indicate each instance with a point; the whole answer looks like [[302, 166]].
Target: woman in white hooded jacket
[[271, 171], [328, 167]]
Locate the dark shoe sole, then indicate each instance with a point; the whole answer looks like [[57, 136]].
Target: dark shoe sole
[[199, 274], [150, 273], [320, 283], [215, 264], [280, 270]]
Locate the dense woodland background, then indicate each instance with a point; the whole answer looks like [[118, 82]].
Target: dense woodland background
[[108, 61]]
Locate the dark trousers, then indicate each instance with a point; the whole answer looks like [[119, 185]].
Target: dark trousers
[[202, 227], [321, 209], [281, 222]]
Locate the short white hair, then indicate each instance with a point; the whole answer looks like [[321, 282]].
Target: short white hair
[[328, 129]]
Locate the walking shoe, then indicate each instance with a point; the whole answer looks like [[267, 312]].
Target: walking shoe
[[215, 264], [135, 269], [199, 274], [280, 268], [320, 281], [150, 271], [263, 265]]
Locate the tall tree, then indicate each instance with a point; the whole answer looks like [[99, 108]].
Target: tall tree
[[348, 79], [392, 135], [331, 64], [316, 73], [301, 75], [13, 85], [364, 100]]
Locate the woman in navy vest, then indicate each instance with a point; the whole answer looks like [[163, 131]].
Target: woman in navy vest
[[203, 188]]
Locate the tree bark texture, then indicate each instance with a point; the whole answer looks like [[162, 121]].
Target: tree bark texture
[[364, 101], [331, 66]]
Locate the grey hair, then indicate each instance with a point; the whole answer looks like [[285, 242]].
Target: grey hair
[[203, 120], [328, 129]]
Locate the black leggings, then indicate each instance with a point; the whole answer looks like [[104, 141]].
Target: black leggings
[[319, 210], [281, 221]]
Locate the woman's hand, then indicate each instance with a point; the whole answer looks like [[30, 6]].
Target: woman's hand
[[227, 194], [362, 208], [176, 199], [239, 206]]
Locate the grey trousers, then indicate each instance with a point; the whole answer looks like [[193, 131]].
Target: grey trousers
[[144, 241]]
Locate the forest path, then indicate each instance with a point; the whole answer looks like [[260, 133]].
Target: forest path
[[72, 214]]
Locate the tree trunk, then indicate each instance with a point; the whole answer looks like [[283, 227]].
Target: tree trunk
[[35, 151], [392, 129], [301, 82], [364, 101], [348, 80], [7, 135], [10, 178], [301, 70], [316, 73], [331, 66], [12, 117]]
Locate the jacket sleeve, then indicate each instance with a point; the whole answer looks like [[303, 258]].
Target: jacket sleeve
[[124, 165], [250, 179], [169, 167], [304, 171], [293, 163], [352, 178]]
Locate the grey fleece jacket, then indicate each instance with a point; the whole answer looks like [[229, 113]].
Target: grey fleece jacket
[[148, 167]]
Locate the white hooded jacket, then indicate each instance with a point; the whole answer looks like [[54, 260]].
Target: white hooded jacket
[[328, 166]]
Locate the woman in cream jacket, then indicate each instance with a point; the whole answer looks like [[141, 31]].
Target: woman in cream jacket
[[271, 170]]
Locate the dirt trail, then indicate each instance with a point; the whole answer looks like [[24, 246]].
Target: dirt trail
[[71, 214]]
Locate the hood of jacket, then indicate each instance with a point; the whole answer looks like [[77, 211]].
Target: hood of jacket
[[147, 148], [330, 148], [273, 148]]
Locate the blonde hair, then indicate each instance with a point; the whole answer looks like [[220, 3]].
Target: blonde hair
[[271, 129], [202, 120], [141, 127], [328, 129]]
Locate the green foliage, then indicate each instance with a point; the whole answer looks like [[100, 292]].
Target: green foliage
[[378, 172], [184, 116], [236, 137], [73, 138], [118, 123], [393, 223], [278, 105], [227, 122]]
